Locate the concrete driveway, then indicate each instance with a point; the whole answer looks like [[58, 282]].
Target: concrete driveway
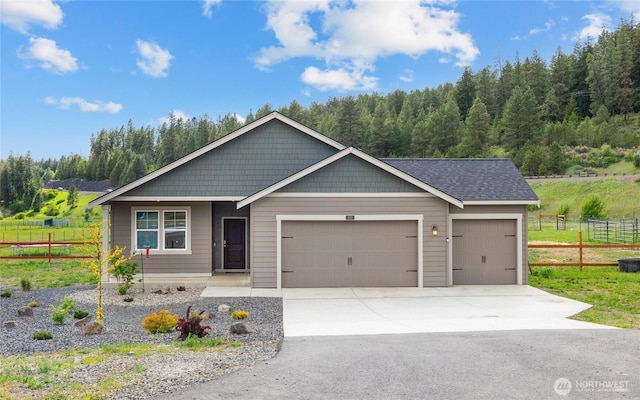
[[373, 311]]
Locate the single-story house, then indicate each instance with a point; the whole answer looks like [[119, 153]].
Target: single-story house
[[295, 208]]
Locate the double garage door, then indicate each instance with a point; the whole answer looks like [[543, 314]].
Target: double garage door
[[484, 252], [349, 253]]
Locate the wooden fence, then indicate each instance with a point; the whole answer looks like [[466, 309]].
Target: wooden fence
[[52, 249], [580, 246]]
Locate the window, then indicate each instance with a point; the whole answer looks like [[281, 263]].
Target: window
[[162, 230], [146, 230], [175, 229]]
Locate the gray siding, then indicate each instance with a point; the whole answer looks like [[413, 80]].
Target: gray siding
[[263, 231], [515, 209], [243, 166], [200, 259], [350, 174]]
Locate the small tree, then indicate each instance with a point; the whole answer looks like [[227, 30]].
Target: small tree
[[592, 208], [72, 200], [102, 263]]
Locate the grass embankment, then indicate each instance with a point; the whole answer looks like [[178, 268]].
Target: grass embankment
[[619, 194]]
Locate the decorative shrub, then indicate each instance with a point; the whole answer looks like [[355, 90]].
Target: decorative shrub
[[33, 304], [189, 325], [124, 273], [128, 299], [6, 293], [61, 313], [79, 314], [181, 288], [67, 303], [42, 335], [58, 315], [160, 322], [25, 284], [239, 314]]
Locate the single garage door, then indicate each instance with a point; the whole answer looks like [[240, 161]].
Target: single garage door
[[484, 252], [349, 253]]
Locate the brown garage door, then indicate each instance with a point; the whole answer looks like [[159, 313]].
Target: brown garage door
[[349, 253], [484, 252]]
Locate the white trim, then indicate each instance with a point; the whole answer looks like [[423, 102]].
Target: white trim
[[211, 146], [246, 246], [380, 164], [419, 218], [350, 194], [160, 209], [181, 199], [519, 251], [501, 202]]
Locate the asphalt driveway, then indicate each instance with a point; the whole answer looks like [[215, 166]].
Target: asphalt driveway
[[374, 311]]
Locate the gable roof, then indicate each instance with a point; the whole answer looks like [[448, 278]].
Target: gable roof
[[348, 151], [171, 167], [474, 181]]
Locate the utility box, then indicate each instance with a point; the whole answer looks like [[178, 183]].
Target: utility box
[[629, 264]]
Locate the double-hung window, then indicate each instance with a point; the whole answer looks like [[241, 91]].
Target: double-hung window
[[161, 230]]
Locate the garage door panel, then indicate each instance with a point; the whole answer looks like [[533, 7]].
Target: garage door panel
[[484, 252], [349, 253]]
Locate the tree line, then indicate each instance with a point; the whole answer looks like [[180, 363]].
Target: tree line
[[540, 114]]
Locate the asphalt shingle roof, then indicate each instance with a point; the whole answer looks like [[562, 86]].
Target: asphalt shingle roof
[[487, 179]]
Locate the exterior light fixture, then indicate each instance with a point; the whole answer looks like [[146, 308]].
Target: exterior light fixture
[[434, 230]]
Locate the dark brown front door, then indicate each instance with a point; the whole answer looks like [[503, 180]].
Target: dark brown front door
[[234, 243]]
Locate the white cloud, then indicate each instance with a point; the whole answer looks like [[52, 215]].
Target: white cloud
[[547, 26], [406, 75], [19, 15], [596, 23], [154, 60], [49, 55], [338, 79], [176, 114], [208, 5], [65, 103], [351, 36], [630, 6]]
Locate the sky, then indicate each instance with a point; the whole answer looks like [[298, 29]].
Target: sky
[[71, 68]]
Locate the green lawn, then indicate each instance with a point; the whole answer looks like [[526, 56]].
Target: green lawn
[[615, 295]]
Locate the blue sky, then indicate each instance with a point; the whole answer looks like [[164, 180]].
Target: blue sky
[[71, 68]]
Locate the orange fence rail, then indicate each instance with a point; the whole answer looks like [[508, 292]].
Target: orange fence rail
[[22, 249], [581, 246]]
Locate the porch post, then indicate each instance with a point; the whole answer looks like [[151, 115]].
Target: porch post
[[106, 211]]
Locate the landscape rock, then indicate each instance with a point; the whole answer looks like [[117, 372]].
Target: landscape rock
[[25, 312], [239, 328], [10, 324], [82, 321], [163, 290], [92, 328], [223, 308]]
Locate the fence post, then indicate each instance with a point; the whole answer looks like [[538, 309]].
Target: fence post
[[49, 248], [580, 238]]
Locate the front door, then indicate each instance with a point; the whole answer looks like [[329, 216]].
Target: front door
[[234, 243]]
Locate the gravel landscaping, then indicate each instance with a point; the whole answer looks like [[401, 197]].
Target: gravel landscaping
[[164, 372]]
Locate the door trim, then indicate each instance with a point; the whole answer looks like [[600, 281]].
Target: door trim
[[513, 216], [382, 217], [246, 248]]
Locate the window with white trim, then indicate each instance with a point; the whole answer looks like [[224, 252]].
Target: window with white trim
[[162, 229]]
